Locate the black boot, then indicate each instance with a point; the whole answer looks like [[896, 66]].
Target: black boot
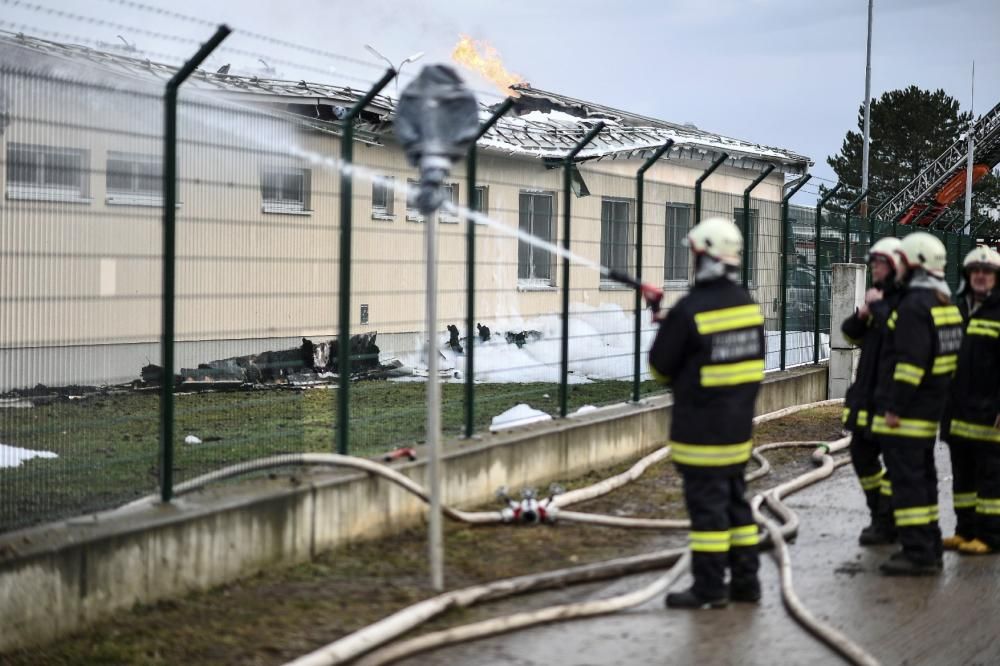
[[689, 599], [902, 565], [745, 590], [877, 534]]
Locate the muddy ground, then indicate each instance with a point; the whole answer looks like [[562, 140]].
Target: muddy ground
[[280, 614]]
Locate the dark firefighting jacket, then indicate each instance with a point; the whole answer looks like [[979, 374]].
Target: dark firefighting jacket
[[917, 363], [710, 350], [975, 390], [867, 333]]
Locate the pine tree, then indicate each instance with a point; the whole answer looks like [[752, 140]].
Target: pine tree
[[910, 128]]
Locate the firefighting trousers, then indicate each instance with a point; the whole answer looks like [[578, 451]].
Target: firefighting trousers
[[963, 486], [910, 463], [988, 493], [723, 532], [865, 452]]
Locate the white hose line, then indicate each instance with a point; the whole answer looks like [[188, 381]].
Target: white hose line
[[777, 414], [389, 627], [517, 621], [368, 638], [776, 534], [624, 521], [613, 483]]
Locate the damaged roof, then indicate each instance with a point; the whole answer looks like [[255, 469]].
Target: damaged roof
[[547, 126]]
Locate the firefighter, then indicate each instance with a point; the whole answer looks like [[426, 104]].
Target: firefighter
[[710, 350], [973, 427], [866, 328], [920, 356]]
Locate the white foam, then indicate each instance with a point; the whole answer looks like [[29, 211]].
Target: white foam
[[13, 456]]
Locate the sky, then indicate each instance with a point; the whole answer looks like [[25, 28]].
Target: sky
[[783, 73]]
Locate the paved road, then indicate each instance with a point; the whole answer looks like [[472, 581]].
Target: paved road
[[952, 619]]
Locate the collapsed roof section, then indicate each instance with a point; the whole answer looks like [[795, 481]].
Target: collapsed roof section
[[547, 126]]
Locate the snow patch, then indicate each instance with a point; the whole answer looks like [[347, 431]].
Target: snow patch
[[13, 456], [516, 416]]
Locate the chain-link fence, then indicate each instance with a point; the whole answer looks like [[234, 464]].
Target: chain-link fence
[[243, 288]]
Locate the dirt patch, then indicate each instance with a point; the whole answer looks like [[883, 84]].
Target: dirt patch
[[280, 614]]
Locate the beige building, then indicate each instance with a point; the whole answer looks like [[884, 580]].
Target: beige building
[[258, 215]]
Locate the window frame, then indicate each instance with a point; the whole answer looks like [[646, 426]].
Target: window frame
[[39, 190], [133, 196], [386, 212], [674, 282], [286, 206], [605, 282], [532, 283]]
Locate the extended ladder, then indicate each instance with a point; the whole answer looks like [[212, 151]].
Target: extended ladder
[[943, 182]]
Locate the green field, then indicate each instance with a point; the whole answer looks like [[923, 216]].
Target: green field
[[108, 444]]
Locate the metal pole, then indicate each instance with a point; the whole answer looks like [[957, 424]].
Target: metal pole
[[784, 259], [701, 179], [433, 434], [640, 176], [344, 285], [564, 343], [747, 245], [847, 225], [968, 162], [470, 267], [868, 115], [819, 230], [170, 259]]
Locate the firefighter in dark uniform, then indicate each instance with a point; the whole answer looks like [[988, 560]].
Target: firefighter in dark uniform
[[972, 428], [710, 350], [866, 328], [920, 356]]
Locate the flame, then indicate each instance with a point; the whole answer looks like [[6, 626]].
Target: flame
[[481, 57]]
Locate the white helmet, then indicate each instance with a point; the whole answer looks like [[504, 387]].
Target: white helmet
[[888, 248], [718, 238], [982, 257], [923, 250]]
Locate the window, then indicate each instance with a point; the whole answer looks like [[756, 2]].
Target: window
[[383, 192], [134, 179], [481, 199], [677, 257], [749, 242], [615, 227], [46, 173], [534, 264], [285, 190], [450, 192]]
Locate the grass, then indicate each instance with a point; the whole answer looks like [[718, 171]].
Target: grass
[[108, 444]]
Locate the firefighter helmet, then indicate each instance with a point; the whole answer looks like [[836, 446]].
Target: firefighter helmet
[[718, 238], [982, 257], [888, 248], [923, 250]]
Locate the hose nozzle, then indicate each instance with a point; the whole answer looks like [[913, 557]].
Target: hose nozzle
[[652, 295]]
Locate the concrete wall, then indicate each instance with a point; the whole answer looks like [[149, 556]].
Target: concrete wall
[[848, 294], [59, 578]]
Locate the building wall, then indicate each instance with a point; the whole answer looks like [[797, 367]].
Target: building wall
[[87, 275]]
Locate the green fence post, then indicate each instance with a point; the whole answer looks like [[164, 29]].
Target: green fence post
[[640, 176], [344, 285], [819, 232], [784, 259], [567, 185], [470, 265], [745, 269], [847, 226], [701, 179], [170, 259]]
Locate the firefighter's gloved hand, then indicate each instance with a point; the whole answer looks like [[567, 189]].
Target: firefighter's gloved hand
[[891, 420], [653, 296]]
